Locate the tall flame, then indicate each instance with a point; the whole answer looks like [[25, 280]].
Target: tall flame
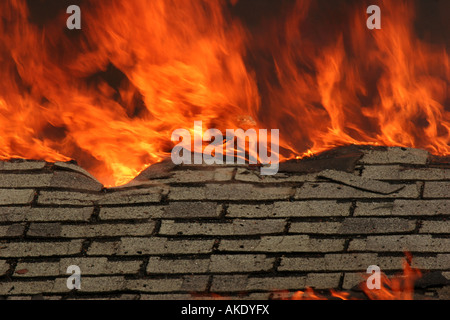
[[111, 94]]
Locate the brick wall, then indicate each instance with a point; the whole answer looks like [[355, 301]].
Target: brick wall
[[189, 231]]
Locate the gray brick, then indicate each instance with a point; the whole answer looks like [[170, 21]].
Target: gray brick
[[290, 209], [9, 197], [158, 265], [395, 155], [397, 172], [360, 182], [167, 296], [229, 283], [17, 214], [376, 225], [435, 227], [246, 175], [139, 246], [241, 263], [123, 213], [40, 249], [88, 266], [22, 165], [67, 198], [14, 230], [352, 280], [44, 230], [34, 287], [74, 180], [437, 189], [300, 243], [235, 227], [188, 283], [439, 262], [276, 283], [404, 208], [74, 167], [187, 210], [4, 267], [148, 195], [330, 262], [25, 180], [330, 190], [323, 280], [396, 243], [355, 226], [323, 227], [107, 230], [229, 192]]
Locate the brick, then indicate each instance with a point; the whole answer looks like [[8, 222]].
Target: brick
[[34, 287], [22, 196], [44, 230], [289, 209], [360, 182], [396, 243], [352, 280], [235, 227], [403, 208], [88, 266], [223, 174], [437, 189], [276, 283], [246, 175], [315, 227], [327, 190], [67, 198], [229, 283], [40, 249], [25, 180], [158, 265], [400, 173], [4, 267], [187, 283], [14, 230], [58, 179], [22, 165], [74, 167], [439, 262], [74, 180], [107, 230], [18, 214], [294, 243], [90, 231], [131, 213], [435, 227], [395, 155], [229, 192], [330, 262], [355, 226], [187, 210], [376, 225], [323, 280], [167, 296], [240, 263], [139, 246], [148, 195]]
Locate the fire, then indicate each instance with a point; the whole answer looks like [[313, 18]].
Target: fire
[[397, 287], [110, 95]]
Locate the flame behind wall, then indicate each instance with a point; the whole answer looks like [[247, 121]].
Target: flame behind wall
[[111, 94]]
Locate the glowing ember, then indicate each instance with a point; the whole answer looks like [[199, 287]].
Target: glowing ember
[[111, 94]]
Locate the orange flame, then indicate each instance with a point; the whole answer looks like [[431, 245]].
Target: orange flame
[[111, 94], [398, 287]]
